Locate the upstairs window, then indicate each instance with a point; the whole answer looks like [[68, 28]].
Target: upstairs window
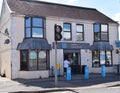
[[79, 32], [67, 31], [101, 32], [34, 27]]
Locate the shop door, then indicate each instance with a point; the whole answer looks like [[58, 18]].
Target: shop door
[[74, 59]]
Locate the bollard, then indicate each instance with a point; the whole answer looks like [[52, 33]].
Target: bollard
[[52, 71], [103, 71], [68, 73], [86, 75], [58, 72]]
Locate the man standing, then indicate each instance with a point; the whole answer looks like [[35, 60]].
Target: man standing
[[66, 64]]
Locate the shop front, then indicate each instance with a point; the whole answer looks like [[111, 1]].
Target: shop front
[[101, 54], [72, 51], [75, 62]]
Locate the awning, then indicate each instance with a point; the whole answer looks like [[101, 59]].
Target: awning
[[101, 46], [34, 43]]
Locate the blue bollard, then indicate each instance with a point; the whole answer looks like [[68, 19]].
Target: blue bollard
[[103, 71], [86, 75], [58, 72], [52, 71], [68, 73]]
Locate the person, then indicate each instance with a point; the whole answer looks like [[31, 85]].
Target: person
[[66, 64]]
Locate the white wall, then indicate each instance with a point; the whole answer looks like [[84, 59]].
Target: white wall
[[5, 49], [33, 74], [113, 36]]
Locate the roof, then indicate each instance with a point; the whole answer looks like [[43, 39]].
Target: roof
[[45, 9]]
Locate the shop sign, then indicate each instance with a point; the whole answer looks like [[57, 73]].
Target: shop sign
[[64, 45]]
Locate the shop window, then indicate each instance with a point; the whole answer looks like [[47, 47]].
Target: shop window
[[67, 31], [95, 59], [34, 27], [80, 32], [101, 32], [34, 60], [23, 65], [108, 58], [101, 58], [42, 60]]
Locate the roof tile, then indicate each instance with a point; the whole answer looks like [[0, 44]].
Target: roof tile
[[40, 8]]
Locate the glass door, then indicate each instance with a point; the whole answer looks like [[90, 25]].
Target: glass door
[[74, 59]]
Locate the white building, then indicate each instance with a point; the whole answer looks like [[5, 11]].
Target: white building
[[27, 51]]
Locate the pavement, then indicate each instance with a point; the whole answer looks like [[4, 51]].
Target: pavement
[[78, 82]]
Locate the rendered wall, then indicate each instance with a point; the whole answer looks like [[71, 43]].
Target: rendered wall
[[5, 49]]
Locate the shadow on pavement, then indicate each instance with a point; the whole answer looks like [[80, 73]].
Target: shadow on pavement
[[116, 85], [49, 91], [77, 81]]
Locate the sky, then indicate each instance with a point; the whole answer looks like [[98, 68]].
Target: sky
[[111, 8]]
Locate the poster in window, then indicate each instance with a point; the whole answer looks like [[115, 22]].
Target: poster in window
[[102, 57]]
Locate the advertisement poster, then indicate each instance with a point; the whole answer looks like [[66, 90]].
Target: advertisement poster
[[102, 57]]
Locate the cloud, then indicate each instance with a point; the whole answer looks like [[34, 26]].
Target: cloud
[[71, 1], [117, 17], [63, 1], [48, 0], [118, 0]]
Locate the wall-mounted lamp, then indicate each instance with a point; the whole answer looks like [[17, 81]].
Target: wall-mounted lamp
[[7, 41]]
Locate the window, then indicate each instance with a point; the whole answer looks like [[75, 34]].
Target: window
[[95, 59], [80, 32], [67, 31], [23, 65], [101, 32], [42, 59], [101, 58], [34, 60], [34, 27]]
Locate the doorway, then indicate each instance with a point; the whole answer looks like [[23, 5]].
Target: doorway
[[74, 59]]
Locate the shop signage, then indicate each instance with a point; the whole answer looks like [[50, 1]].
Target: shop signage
[[64, 45]]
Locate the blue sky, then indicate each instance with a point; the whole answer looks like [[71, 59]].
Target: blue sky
[[111, 8]]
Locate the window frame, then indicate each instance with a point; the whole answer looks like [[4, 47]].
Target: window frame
[[67, 31], [28, 61], [80, 32], [31, 27], [100, 32]]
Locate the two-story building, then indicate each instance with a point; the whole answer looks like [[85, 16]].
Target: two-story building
[[27, 38]]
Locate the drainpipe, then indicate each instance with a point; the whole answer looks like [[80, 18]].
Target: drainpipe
[[0, 64]]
